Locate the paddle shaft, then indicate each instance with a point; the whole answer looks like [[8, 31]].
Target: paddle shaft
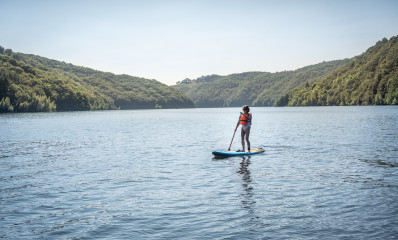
[[229, 149]]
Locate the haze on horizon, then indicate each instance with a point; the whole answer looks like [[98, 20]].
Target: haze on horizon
[[172, 40]]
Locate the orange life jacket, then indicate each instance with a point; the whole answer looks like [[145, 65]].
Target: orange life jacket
[[244, 120]]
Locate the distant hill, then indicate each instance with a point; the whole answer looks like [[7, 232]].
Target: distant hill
[[369, 79], [252, 88], [30, 83]]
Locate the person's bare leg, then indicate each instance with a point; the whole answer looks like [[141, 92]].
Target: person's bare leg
[[242, 135], [247, 138]]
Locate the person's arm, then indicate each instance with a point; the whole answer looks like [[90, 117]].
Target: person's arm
[[237, 125]]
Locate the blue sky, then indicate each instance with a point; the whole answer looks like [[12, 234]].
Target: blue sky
[[170, 40]]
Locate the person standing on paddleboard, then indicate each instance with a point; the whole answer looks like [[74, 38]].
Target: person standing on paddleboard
[[245, 119]]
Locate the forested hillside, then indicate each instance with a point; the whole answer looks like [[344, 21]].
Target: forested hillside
[[252, 88], [369, 79], [30, 83]]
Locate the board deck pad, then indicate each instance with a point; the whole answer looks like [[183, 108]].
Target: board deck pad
[[237, 153]]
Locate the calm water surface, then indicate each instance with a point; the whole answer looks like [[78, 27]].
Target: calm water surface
[[327, 173]]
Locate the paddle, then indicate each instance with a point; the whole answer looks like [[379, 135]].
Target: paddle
[[229, 149]]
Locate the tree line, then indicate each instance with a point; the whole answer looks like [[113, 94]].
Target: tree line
[[30, 83], [252, 88], [369, 79]]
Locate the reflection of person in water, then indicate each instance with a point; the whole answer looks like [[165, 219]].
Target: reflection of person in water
[[247, 202]]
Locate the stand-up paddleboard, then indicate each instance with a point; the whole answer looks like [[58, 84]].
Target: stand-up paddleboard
[[237, 153]]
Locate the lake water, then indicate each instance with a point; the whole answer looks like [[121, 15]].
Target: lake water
[[327, 173]]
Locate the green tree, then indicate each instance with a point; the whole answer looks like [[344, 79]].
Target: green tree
[[5, 105], [8, 52]]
